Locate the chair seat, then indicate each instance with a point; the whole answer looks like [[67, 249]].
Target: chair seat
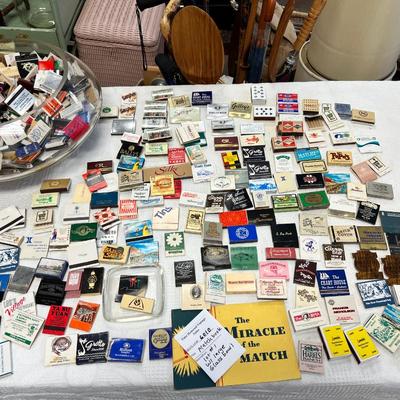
[[197, 46]]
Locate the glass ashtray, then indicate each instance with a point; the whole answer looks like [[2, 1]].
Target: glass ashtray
[[153, 289]]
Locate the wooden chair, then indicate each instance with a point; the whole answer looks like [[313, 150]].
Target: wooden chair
[[194, 41]]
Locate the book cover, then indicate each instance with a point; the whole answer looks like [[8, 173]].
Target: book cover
[[334, 255], [371, 238], [103, 200], [272, 289], [137, 230], [125, 350], [9, 259], [311, 358], [332, 282], [310, 248], [313, 200], [375, 293], [50, 292], [342, 208], [34, 247], [304, 272], [215, 287], [83, 254], [274, 269], [242, 234], [336, 183], [361, 344], [73, 283], [343, 234], [383, 332], [60, 350], [185, 272], [307, 317], [114, 254], [186, 372], [57, 320], [342, 309], [244, 258], [270, 353], [392, 313], [263, 330], [50, 268], [215, 258], [262, 216], [84, 316], [390, 221], [313, 224], [92, 348], [285, 202], [233, 218], [212, 233], [160, 343], [24, 302], [210, 345], [285, 235], [144, 253], [92, 281], [193, 297], [240, 282], [334, 341], [4, 279], [23, 328], [280, 253], [305, 296], [22, 279], [82, 232]]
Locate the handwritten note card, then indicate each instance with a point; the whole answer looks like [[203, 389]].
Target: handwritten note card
[[210, 345]]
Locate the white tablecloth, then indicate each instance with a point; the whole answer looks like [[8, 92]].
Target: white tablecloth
[[153, 379]]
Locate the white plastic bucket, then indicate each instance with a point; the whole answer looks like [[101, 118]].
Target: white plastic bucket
[[306, 73], [356, 39]]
